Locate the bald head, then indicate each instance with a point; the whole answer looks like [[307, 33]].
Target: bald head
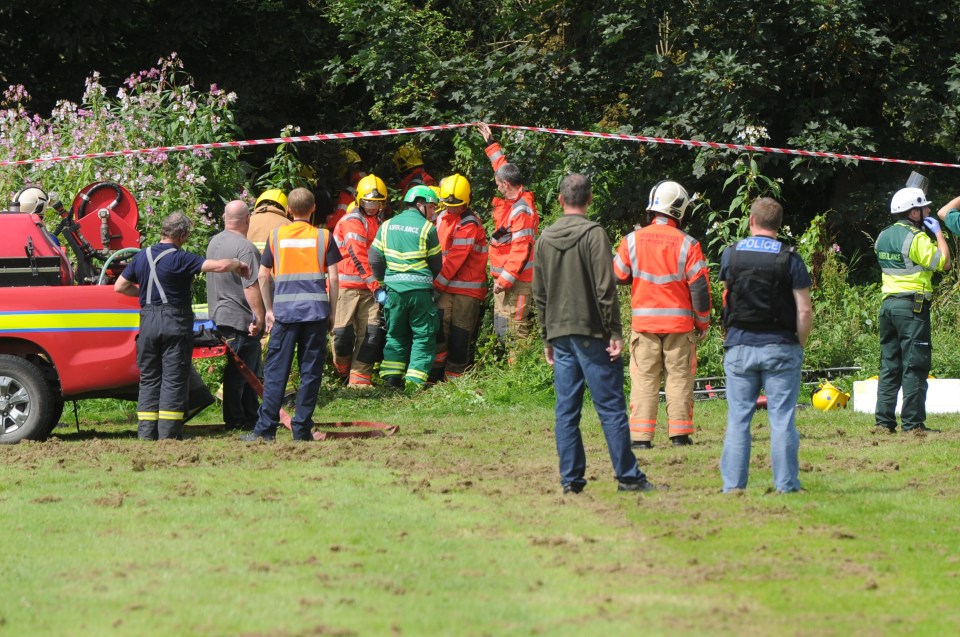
[[236, 216]]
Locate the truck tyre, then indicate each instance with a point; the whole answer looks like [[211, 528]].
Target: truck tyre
[[56, 412], [26, 401]]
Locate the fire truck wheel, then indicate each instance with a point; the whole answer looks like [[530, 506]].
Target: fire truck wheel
[[56, 411], [26, 401]]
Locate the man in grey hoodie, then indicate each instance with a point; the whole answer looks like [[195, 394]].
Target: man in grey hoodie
[[576, 297]]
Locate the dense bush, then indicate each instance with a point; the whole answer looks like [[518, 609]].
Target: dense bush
[[153, 108]]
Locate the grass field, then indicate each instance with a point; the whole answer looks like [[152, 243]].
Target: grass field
[[457, 526]]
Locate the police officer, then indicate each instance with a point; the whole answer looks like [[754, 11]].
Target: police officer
[[165, 274], [908, 258], [768, 315]]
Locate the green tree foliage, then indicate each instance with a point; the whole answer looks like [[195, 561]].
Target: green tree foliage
[[855, 76]]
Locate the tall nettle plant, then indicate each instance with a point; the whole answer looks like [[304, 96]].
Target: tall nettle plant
[[156, 107]]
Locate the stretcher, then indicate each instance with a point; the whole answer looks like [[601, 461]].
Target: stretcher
[[208, 343]]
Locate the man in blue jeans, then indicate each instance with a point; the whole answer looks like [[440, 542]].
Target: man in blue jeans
[[768, 316], [576, 297]]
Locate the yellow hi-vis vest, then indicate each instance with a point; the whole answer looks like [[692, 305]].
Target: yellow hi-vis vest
[[908, 258]]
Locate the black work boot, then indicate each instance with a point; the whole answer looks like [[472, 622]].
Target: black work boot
[[394, 382], [681, 441]]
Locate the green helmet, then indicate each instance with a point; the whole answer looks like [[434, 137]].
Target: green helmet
[[421, 192]]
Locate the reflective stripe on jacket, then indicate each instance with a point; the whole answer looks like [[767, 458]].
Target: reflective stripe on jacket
[[670, 280], [405, 241], [908, 258], [516, 223], [354, 235], [416, 177], [464, 244], [344, 199], [299, 273]]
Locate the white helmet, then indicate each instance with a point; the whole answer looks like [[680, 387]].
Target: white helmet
[[31, 200], [907, 199], [669, 198]]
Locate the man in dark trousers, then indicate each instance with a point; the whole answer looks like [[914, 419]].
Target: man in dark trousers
[[165, 274], [302, 262], [236, 307], [576, 297], [908, 258]]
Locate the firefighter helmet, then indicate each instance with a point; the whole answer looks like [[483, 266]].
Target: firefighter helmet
[[407, 157], [421, 192], [371, 188], [906, 199], [828, 397], [273, 196], [455, 190], [32, 200], [669, 198], [350, 161]]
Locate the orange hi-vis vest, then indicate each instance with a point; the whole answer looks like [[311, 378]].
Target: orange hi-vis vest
[[464, 244], [354, 235], [663, 262], [299, 273], [516, 224], [416, 177]]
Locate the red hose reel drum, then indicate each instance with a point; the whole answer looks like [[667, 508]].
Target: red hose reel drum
[[119, 209]]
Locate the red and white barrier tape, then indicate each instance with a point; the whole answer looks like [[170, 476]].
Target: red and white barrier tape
[[427, 129], [723, 146]]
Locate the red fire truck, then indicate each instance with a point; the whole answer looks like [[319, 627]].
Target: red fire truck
[[64, 333]]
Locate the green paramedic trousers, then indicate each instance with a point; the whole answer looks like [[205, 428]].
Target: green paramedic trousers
[[411, 319], [905, 358]]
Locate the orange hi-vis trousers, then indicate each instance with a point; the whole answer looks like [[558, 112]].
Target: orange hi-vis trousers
[[674, 356]]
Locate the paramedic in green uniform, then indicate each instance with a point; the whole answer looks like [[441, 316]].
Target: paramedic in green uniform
[[908, 258], [406, 258]]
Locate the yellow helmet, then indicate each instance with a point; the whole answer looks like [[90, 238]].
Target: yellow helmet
[[436, 191], [455, 190], [273, 196], [371, 188], [828, 397], [350, 161], [407, 157]]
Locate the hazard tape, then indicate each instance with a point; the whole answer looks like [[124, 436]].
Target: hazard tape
[[723, 146], [270, 141]]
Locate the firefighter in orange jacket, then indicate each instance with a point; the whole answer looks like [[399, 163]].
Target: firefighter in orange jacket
[[409, 164], [462, 282], [515, 222], [351, 172], [357, 336], [670, 301]]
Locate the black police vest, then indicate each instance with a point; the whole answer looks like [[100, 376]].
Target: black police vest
[[760, 297]]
